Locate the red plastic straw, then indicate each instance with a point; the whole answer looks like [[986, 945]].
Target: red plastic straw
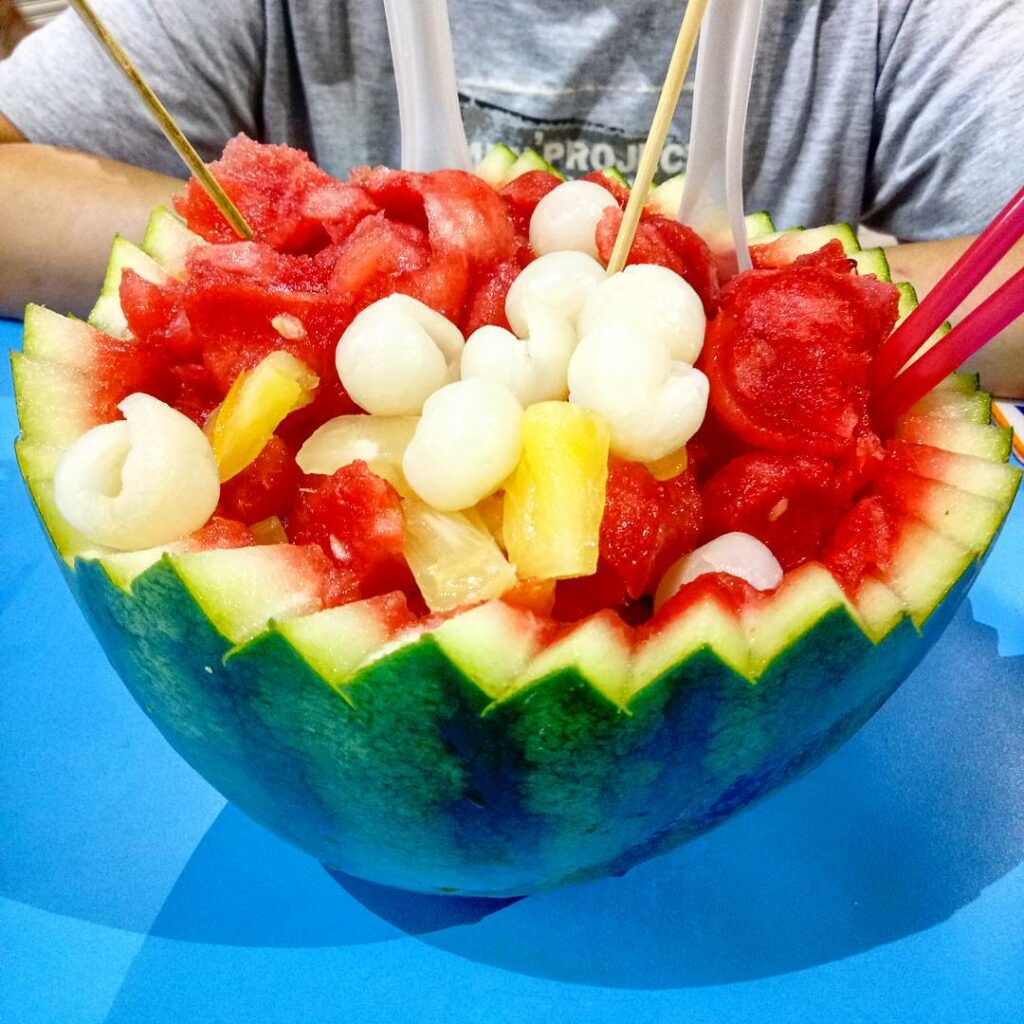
[[997, 312], [956, 284]]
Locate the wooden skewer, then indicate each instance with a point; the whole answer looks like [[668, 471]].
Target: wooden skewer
[[682, 54], [193, 161]]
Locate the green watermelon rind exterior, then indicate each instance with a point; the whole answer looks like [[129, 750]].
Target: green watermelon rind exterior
[[414, 777]]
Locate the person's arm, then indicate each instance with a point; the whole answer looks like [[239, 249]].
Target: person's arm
[[60, 213], [1001, 362], [60, 208], [945, 155], [13, 27]]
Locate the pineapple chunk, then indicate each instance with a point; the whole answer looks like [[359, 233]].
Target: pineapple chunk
[[669, 466], [455, 560], [269, 531], [380, 441], [490, 513], [536, 595], [555, 498], [258, 401]]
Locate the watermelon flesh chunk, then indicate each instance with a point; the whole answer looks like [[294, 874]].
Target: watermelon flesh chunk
[[647, 524], [265, 488], [789, 502], [276, 188], [862, 541], [378, 251], [355, 517], [155, 314], [457, 210], [485, 303], [669, 244], [339, 207], [234, 297], [789, 351], [522, 194]]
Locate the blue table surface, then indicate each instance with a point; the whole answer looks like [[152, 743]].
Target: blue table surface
[[886, 886]]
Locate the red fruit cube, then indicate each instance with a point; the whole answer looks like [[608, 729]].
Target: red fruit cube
[[522, 194], [790, 502], [269, 185], [486, 302], [356, 518], [647, 523], [266, 487]]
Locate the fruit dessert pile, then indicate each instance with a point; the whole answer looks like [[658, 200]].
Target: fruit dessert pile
[[429, 384]]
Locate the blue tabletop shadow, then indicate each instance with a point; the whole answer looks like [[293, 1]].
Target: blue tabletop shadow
[[244, 887]]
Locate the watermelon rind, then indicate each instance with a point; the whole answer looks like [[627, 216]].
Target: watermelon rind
[[473, 759], [984, 477], [530, 160], [61, 339], [908, 303], [969, 520], [972, 406], [107, 314], [168, 241], [53, 400], [759, 223], [408, 772], [66, 542], [986, 441], [496, 164], [503, 164], [961, 381], [872, 261], [803, 241], [615, 175], [666, 197]]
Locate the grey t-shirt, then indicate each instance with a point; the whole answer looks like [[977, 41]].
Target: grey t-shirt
[[903, 114]]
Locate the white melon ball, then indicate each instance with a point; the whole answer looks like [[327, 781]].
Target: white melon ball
[[466, 444], [737, 554], [562, 280], [652, 405], [140, 482], [395, 354], [534, 369], [653, 300], [498, 355], [567, 218]]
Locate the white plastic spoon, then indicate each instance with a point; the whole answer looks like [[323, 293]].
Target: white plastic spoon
[[433, 135], [712, 202]]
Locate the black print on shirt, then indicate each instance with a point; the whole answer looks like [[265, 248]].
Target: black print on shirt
[[573, 146]]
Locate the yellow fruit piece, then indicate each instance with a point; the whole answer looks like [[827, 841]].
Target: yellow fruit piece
[[380, 441], [454, 560], [536, 595], [490, 513], [269, 531], [555, 498], [669, 466], [258, 401]]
